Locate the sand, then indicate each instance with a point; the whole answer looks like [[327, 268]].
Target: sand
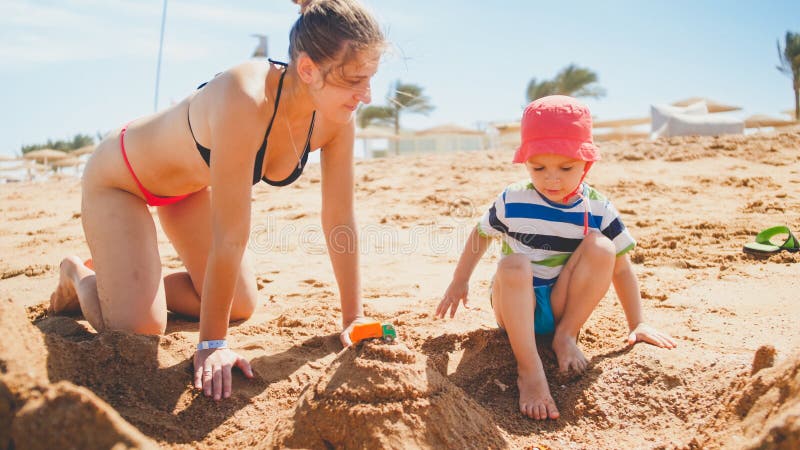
[[733, 382]]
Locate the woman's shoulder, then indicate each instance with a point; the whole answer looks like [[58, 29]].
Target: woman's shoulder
[[252, 69], [243, 82]]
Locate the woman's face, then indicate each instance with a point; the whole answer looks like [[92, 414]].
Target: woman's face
[[344, 87]]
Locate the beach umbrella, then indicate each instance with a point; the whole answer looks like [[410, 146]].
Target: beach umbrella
[[45, 154], [762, 120], [620, 123], [7, 158], [83, 150], [66, 162], [713, 106]]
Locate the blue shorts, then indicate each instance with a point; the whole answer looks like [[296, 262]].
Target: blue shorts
[[543, 320]]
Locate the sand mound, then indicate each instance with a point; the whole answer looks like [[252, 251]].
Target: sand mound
[[23, 365], [761, 412], [67, 416], [31, 408], [385, 396], [23, 360], [146, 378]]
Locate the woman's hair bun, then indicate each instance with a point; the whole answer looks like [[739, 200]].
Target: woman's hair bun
[[303, 4]]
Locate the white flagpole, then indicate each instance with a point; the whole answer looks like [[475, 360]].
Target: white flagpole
[[160, 48]]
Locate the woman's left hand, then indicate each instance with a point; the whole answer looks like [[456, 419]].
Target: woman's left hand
[[645, 333], [345, 336], [212, 371]]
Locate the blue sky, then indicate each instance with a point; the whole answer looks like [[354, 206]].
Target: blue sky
[[87, 66]]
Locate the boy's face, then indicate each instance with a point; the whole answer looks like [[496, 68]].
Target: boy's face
[[555, 176]]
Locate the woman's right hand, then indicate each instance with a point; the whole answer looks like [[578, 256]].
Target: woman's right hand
[[455, 293], [212, 371]]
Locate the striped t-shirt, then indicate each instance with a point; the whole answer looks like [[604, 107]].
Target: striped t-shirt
[[548, 232]]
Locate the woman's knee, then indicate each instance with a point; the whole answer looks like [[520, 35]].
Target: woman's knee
[[513, 269], [140, 315], [152, 324], [245, 300]]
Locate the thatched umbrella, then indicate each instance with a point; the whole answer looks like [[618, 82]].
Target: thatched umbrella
[[45, 154], [83, 150], [7, 158], [66, 162], [713, 106], [762, 120]]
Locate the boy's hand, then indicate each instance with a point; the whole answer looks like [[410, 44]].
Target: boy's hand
[[645, 333], [456, 292]]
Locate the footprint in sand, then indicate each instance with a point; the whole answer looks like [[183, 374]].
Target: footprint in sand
[[314, 283]]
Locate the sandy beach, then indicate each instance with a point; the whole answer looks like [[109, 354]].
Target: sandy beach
[[691, 203]]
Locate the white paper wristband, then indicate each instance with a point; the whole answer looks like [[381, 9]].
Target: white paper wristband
[[205, 345]]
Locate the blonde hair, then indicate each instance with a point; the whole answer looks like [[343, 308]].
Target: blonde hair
[[331, 30]]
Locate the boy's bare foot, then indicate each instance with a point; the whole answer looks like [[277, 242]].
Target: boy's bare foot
[[535, 400], [64, 298], [568, 354]]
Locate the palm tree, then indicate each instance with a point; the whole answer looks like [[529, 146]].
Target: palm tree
[[790, 65], [402, 98], [572, 80]]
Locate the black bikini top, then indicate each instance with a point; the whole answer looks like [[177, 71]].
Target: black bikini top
[[206, 152]]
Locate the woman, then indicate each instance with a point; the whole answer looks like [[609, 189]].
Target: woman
[[196, 162]]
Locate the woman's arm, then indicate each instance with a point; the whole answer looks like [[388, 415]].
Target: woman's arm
[[235, 123], [339, 224]]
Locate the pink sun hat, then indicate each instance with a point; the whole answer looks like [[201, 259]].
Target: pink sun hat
[[557, 124]]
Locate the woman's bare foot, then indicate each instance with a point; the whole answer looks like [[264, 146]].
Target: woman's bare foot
[[535, 400], [65, 298], [569, 356]]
